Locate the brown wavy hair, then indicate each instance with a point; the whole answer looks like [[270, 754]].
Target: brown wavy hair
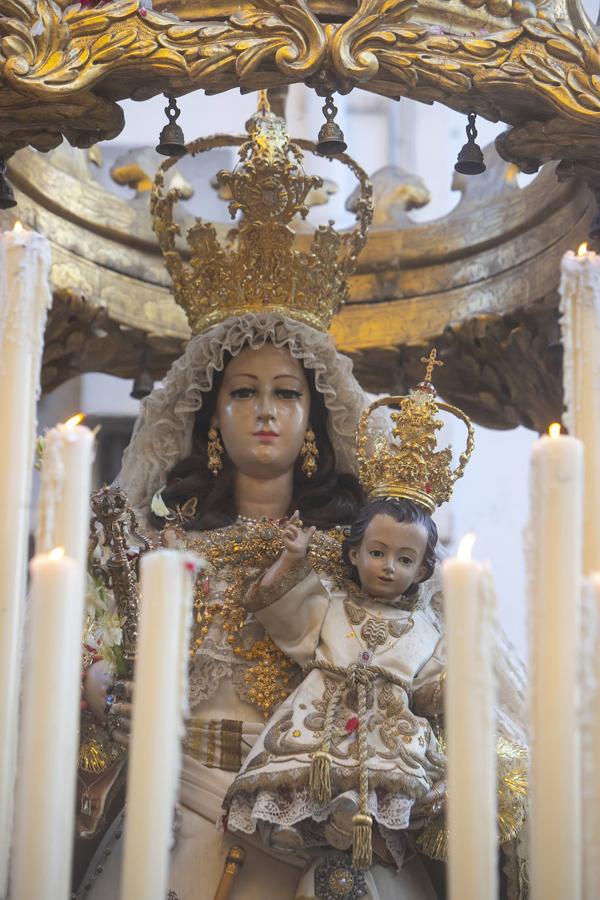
[[401, 511], [327, 499]]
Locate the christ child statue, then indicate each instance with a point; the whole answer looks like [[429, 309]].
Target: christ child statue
[[351, 751]]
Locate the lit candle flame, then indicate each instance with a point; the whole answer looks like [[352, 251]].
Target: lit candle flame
[[554, 430], [74, 421], [466, 546], [582, 249], [17, 227], [57, 553]]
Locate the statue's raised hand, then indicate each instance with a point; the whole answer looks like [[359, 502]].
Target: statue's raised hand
[[296, 538]]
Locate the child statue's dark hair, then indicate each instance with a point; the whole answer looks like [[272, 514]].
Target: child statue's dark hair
[[401, 511]]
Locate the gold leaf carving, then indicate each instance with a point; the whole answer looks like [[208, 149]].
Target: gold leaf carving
[[356, 42], [479, 47], [591, 101], [87, 41], [564, 49], [61, 63]]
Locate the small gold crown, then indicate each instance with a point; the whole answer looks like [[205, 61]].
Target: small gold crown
[[411, 467], [258, 269]]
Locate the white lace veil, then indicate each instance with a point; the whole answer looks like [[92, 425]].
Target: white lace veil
[[163, 431]]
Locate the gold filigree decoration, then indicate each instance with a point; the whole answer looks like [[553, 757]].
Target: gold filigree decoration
[[269, 674], [259, 269], [409, 465], [61, 64], [96, 750], [59, 52], [512, 799], [539, 54], [47, 48]]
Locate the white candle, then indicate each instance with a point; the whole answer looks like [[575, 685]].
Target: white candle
[[63, 517], [48, 747], [24, 301], [590, 728], [160, 695], [580, 325], [555, 550], [470, 729]]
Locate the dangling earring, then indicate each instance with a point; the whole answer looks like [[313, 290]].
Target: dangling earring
[[309, 453], [215, 451]]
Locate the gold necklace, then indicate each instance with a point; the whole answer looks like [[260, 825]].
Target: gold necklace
[[235, 553]]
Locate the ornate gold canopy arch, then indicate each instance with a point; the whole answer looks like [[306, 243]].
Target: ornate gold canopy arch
[[534, 65]]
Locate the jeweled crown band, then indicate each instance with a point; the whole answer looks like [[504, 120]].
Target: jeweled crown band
[[403, 492]]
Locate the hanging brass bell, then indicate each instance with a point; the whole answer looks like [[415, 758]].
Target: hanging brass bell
[[470, 159], [331, 137], [171, 141], [7, 197], [143, 385]]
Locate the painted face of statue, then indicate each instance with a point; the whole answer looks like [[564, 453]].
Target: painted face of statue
[[390, 556], [263, 410]]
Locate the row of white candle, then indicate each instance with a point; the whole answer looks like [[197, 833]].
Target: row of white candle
[[565, 493], [44, 830], [45, 826], [46, 740], [580, 326], [554, 776]]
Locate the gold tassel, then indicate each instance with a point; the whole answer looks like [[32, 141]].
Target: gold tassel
[[320, 781], [362, 850]]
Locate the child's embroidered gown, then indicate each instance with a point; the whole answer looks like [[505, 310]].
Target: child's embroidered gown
[[353, 646]]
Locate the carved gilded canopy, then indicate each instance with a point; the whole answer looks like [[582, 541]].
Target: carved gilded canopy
[[534, 64]]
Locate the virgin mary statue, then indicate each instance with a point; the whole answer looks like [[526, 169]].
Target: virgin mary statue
[[257, 419]]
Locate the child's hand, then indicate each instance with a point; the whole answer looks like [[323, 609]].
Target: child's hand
[[429, 806], [295, 538]]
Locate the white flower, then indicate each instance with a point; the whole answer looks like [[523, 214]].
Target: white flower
[[95, 597], [109, 630], [158, 505]]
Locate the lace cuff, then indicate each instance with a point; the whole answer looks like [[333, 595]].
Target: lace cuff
[[260, 596]]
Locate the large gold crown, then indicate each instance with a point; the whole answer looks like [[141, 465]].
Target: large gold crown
[[410, 466], [257, 268]]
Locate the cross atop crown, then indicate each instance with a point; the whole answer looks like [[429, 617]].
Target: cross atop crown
[[430, 361]]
